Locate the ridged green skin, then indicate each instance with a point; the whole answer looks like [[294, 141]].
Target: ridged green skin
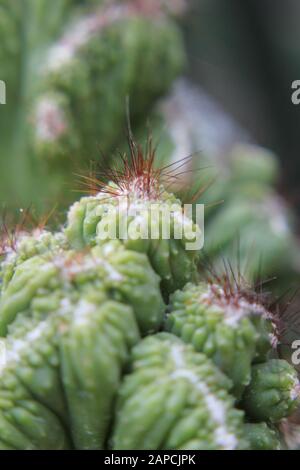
[[273, 393], [93, 305], [25, 246], [41, 282], [73, 357], [232, 336], [175, 398], [262, 437], [169, 258], [31, 398], [94, 350], [73, 308]]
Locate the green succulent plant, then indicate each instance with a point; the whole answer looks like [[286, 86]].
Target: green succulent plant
[[231, 329], [261, 437], [74, 309], [175, 398], [273, 392], [135, 207]]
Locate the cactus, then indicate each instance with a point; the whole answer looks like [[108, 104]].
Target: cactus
[[92, 304], [175, 398], [74, 306], [230, 329], [138, 196], [65, 357], [273, 392], [81, 309], [118, 43], [24, 245], [262, 437], [40, 282]]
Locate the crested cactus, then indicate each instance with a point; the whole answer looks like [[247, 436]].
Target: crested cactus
[[137, 202], [75, 304]]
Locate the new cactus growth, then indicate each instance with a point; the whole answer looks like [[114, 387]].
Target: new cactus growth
[[274, 391], [137, 202]]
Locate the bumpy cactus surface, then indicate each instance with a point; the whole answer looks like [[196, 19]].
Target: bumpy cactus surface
[[37, 278], [229, 328], [261, 437], [76, 304], [138, 196], [273, 392], [175, 399]]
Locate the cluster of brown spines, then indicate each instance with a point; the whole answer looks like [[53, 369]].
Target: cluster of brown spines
[[232, 289], [134, 173], [13, 228]]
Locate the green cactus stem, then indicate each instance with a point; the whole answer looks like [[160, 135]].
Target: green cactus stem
[[262, 437], [31, 399], [94, 351], [225, 323], [21, 245], [136, 199], [68, 364], [41, 282], [175, 399], [274, 391]]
